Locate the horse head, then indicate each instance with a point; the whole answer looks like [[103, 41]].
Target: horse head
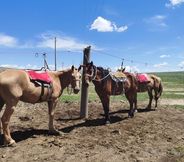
[[90, 72], [75, 79]]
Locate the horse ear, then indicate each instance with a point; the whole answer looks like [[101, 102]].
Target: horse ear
[[73, 68], [123, 70], [91, 63], [79, 68]]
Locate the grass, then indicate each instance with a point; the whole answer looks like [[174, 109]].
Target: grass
[[173, 83], [178, 106]]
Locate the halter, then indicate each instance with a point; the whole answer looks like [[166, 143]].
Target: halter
[[69, 88]]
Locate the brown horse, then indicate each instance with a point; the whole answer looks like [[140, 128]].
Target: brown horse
[[154, 84], [105, 86], [15, 85]]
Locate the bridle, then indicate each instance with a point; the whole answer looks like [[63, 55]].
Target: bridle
[[70, 88], [94, 74]]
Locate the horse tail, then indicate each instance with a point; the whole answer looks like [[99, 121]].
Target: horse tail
[[160, 89], [158, 85], [133, 81], [1, 103]]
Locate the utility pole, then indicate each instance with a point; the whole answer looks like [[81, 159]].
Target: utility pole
[[84, 90], [45, 65], [55, 54]]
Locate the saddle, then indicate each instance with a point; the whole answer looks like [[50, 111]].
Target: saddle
[[142, 78], [41, 78], [119, 78]]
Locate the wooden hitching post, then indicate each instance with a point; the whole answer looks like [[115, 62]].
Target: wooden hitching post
[[84, 90]]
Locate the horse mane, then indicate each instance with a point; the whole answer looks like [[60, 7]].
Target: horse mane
[[103, 71], [60, 72], [100, 68]]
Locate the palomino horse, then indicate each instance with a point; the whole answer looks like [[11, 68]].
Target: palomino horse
[[105, 86], [154, 84], [16, 85]]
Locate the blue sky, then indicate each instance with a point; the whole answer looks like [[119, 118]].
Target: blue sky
[[147, 34]]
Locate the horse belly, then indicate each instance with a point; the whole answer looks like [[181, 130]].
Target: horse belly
[[117, 89], [142, 87], [31, 94]]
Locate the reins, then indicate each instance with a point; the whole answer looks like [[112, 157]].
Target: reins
[[99, 80]]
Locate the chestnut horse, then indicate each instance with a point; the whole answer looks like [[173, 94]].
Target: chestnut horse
[[154, 84], [15, 85], [105, 86]]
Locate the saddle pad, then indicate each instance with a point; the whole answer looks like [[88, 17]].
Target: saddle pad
[[142, 78], [119, 74], [40, 76]]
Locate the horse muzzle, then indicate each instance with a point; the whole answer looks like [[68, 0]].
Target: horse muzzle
[[76, 90]]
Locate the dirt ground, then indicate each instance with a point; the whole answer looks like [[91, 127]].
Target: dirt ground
[[151, 136]]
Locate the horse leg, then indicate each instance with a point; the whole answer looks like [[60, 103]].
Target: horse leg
[[51, 111], [135, 102], [131, 103], [106, 111], [1, 103], [8, 141], [105, 102], [156, 98], [1, 106], [150, 98]]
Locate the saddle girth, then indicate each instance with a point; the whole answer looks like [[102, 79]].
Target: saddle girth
[[42, 79]]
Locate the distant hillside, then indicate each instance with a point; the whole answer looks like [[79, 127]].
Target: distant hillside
[[2, 69], [172, 77]]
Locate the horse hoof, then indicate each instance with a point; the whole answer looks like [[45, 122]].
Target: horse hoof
[[12, 143], [107, 122], [130, 115], [55, 132], [148, 108], [135, 111]]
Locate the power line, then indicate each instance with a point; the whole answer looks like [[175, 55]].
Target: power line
[[127, 60], [121, 58]]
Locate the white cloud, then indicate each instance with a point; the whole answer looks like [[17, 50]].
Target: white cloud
[[8, 41], [28, 66], [173, 3], [63, 42], [132, 69], [103, 25], [157, 22], [12, 66], [120, 29], [129, 68], [46, 40], [160, 65], [181, 64], [164, 56]]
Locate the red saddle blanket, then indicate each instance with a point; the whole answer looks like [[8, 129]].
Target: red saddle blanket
[[39, 76], [142, 78]]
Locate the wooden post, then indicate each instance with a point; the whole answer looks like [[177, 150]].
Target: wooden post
[[84, 90]]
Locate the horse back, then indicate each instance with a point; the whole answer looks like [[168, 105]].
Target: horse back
[[156, 79], [13, 77], [12, 83]]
